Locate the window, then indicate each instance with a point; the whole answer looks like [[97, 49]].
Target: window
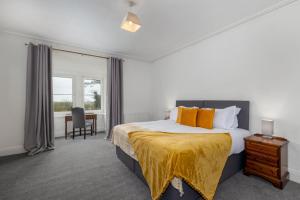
[[92, 94], [62, 94]]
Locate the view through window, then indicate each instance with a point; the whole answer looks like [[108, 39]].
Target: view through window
[[62, 94], [92, 94]]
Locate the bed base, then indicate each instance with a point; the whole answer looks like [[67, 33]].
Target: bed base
[[234, 164]]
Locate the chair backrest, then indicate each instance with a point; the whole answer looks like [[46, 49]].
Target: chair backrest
[[78, 117]]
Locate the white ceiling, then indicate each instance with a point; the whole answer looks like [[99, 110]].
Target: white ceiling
[[167, 25]]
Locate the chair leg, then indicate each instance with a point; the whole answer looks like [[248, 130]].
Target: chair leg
[[80, 131], [84, 132], [73, 133]]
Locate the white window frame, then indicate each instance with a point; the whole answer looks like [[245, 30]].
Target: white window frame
[[102, 82], [78, 92], [62, 75]]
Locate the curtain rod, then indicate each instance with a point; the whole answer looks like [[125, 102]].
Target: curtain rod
[[75, 52]]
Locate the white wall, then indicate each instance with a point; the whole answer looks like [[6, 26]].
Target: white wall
[[257, 61], [13, 56], [13, 92], [138, 97]]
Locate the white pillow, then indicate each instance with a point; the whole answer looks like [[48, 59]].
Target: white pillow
[[226, 118], [173, 114], [236, 121]]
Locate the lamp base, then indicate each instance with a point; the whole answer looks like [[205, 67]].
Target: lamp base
[[267, 136]]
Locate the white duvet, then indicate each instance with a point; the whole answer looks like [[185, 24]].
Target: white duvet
[[171, 126]]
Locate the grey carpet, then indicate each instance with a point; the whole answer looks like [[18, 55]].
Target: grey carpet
[[88, 169]]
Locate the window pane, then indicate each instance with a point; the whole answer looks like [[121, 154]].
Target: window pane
[[92, 94], [62, 94], [62, 85]]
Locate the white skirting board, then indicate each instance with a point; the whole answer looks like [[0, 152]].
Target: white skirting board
[[12, 150], [294, 175]]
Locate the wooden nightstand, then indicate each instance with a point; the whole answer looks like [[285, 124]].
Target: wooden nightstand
[[267, 158]]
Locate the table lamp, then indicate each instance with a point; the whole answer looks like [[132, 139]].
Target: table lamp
[[267, 128], [167, 114]]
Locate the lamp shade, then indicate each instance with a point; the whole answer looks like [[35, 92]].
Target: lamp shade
[[131, 22], [267, 127]]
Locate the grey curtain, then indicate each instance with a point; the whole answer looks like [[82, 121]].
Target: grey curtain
[[114, 111], [39, 129]]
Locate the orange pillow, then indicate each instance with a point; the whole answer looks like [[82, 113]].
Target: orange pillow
[[187, 116], [179, 114], [180, 110], [205, 118]]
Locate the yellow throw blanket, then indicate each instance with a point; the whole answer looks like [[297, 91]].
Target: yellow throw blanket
[[198, 159]]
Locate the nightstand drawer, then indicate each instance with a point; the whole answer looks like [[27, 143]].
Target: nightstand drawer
[[263, 158], [262, 168], [265, 149]]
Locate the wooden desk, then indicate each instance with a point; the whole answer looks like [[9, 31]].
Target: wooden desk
[[88, 116]]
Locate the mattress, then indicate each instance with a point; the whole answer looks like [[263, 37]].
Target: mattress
[[120, 137]]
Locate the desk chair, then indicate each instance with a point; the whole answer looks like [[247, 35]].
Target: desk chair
[[78, 118]]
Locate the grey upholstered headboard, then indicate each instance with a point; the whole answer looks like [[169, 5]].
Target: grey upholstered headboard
[[243, 116]]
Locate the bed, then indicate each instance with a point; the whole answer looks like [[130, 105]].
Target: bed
[[178, 189]]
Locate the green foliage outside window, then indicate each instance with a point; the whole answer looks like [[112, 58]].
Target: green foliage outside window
[[96, 105], [62, 106], [92, 97]]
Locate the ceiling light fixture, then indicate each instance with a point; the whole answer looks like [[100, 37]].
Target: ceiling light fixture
[[131, 21]]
